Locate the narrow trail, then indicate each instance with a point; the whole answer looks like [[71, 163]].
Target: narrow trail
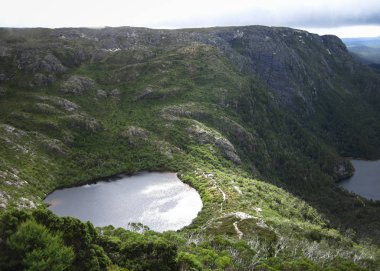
[[224, 198], [237, 189], [239, 232], [240, 216], [217, 186]]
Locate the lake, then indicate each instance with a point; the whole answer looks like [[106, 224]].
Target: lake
[[366, 180], [160, 201]]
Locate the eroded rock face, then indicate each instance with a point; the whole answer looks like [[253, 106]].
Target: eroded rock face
[[42, 80], [52, 64], [78, 121], [145, 93], [60, 102], [67, 105], [135, 135], [206, 135], [234, 130], [12, 179], [77, 85], [115, 93], [101, 93], [24, 203], [30, 61], [53, 146], [44, 108], [174, 112], [13, 131]]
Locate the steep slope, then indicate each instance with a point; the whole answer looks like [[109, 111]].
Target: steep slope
[[265, 115]]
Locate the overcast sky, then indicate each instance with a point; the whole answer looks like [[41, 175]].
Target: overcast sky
[[345, 18]]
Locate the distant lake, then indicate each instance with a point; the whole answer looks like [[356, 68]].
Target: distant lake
[[158, 200], [366, 180]]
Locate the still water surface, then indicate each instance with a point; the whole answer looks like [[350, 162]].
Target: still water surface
[[366, 180], [159, 200]]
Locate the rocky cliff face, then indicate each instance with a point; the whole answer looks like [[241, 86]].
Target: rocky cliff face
[[296, 65], [311, 76]]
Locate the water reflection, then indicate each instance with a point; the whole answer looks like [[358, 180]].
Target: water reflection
[[159, 200], [366, 180]]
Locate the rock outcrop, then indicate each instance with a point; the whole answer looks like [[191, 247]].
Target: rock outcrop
[[31, 61], [60, 102], [205, 135], [79, 121], [77, 85], [135, 135], [42, 80]]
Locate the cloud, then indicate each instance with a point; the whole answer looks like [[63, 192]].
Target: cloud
[[195, 13], [355, 31], [294, 13]]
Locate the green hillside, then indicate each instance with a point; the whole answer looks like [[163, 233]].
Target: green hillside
[[266, 116]]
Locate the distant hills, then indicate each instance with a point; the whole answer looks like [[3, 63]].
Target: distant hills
[[367, 50]]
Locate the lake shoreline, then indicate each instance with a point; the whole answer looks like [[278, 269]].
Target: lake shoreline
[[365, 181], [160, 200], [339, 180], [111, 178]]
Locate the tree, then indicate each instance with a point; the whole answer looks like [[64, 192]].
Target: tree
[[33, 248]]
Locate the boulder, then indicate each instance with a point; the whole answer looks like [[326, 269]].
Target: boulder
[[101, 94], [115, 93]]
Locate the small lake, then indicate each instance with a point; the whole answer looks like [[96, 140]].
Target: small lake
[[160, 201], [366, 180]]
